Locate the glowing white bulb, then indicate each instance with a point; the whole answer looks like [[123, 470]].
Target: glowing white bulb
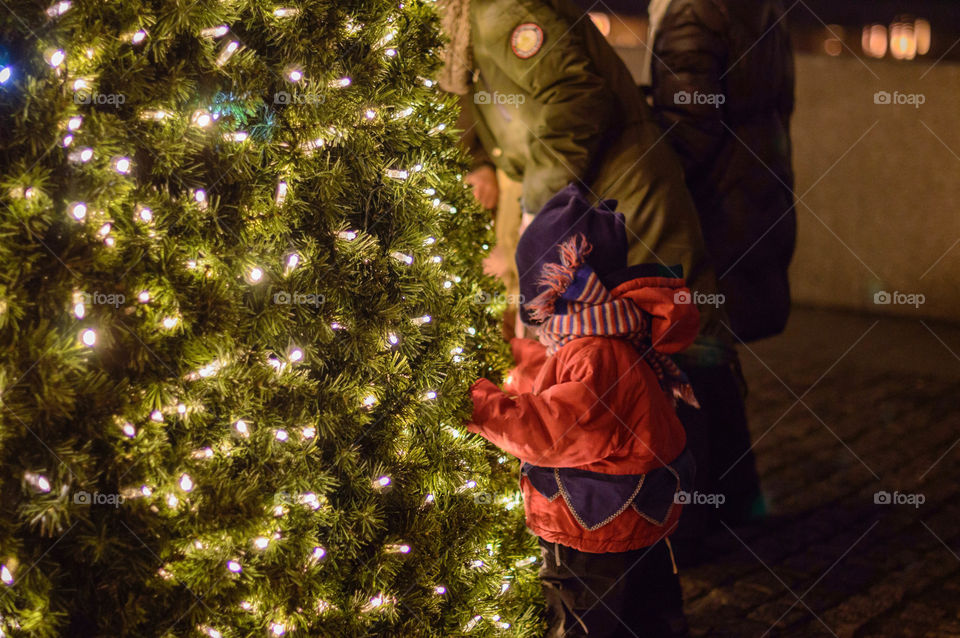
[[234, 566], [5, 73], [55, 57], [429, 241], [139, 36], [201, 118], [81, 155], [5, 575], [430, 395], [144, 296], [145, 214], [281, 193], [430, 499], [393, 339], [78, 210], [261, 542], [422, 320], [347, 235], [172, 501], [104, 230], [255, 274], [156, 416], [427, 82], [170, 322], [394, 173], [241, 427], [227, 52], [383, 481], [285, 12], [186, 483], [41, 483], [181, 408], [448, 284], [246, 605], [89, 337], [278, 629], [154, 114], [236, 136], [341, 83], [308, 432], [295, 75], [310, 499], [79, 310], [293, 259], [74, 122], [369, 400], [213, 633], [391, 52], [370, 114], [440, 590], [129, 430], [295, 355], [215, 32], [281, 435], [145, 490], [318, 553]]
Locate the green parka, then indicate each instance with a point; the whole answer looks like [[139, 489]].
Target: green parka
[[553, 103]]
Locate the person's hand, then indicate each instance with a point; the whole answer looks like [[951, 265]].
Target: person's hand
[[485, 188]]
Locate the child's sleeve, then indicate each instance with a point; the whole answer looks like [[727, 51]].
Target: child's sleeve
[[566, 425], [529, 356]]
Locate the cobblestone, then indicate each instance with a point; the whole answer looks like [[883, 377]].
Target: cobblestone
[[843, 407]]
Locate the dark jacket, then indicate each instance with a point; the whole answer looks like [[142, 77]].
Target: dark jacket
[[567, 110], [736, 154]]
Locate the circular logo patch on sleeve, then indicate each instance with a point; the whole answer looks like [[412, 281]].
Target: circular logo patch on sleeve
[[526, 40]]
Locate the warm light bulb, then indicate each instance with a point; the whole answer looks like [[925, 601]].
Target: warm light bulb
[[170, 322], [78, 210], [144, 296], [281, 435], [89, 337], [308, 432], [139, 36], [186, 483], [370, 114], [129, 430], [54, 57], [318, 553], [215, 32], [369, 400], [201, 118], [278, 629], [295, 355], [261, 542], [227, 52], [74, 122], [255, 274], [241, 427], [156, 416], [145, 214], [5, 575]]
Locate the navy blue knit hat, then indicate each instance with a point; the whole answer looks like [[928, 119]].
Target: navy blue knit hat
[[568, 213]]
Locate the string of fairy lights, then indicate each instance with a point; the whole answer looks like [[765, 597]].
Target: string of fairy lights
[[84, 213]]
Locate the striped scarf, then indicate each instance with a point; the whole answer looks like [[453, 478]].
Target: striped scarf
[[576, 304]]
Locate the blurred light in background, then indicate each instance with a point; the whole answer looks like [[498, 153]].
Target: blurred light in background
[[874, 40]]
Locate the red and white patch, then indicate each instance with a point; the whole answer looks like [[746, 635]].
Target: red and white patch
[[526, 40]]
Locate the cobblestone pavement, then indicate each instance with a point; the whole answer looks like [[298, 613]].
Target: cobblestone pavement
[[842, 407]]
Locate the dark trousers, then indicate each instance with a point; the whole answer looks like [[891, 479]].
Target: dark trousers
[[719, 440], [632, 594]]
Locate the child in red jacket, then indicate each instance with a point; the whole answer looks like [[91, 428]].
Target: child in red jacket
[[590, 412]]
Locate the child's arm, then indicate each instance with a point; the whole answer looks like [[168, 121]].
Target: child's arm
[[564, 426], [529, 356]]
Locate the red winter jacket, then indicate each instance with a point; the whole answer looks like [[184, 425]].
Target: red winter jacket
[[594, 405]]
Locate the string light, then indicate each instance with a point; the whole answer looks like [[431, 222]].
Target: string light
[[347, 235], [241, 427], [170, 322], [369, 400], [430, 395], [370, 114], [200, 197], [281, 193], [397, 174], [156, 416], [186, 483], [121, 165], [215, 32], [213, 633], [78, 210], [261, 542], [422, 320], [439, 590], [308, 432], [236, 136], [154, 114], [54, 57], [182, 409], [201, 118], [145, 214], [295, 355], [5, 73], [317, 554], [254, 274], [278, 629], [281, 435], [294, 75], [138, 36], [129, 430], [145, 490], [81, 155], [38, 481], [382, 483], [398, 549], [74, 122], [234, 566], [144, 296], [340, 83], [227, 52], [285, 12], [172, 501], [89, 337], [406, 259]]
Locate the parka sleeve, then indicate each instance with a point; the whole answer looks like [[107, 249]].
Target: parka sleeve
[[575, 105], [529, 356], [690, 58], [567, 425]]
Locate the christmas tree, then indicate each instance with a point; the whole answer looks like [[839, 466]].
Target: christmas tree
[[238, 320]]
